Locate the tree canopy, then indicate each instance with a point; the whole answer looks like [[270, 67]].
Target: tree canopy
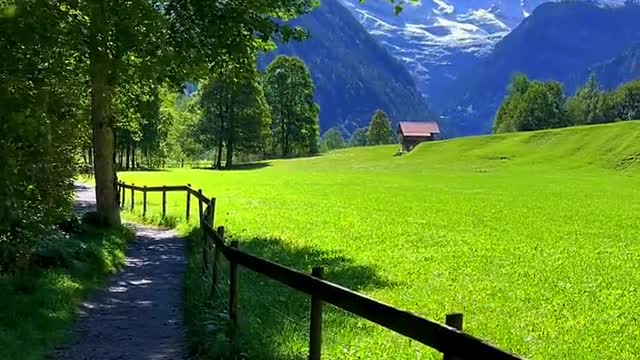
[[289, 91], [380, 131], [333, 139]]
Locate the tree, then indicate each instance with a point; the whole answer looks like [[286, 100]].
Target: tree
[[359, 137], [625, 101], [183, 112], [289, 91], [380, 131], [532, 105], [505, 120], [43, 114], [235, 113], [590, 105], [333, 139]]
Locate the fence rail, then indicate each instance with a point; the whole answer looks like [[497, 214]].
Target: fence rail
[[447, 338]]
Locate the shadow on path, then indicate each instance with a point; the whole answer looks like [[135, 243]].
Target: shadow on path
[[138, 315]]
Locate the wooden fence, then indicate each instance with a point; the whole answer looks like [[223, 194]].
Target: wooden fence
[[447, 338]]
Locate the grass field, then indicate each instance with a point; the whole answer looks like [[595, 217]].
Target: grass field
[[535, 237]]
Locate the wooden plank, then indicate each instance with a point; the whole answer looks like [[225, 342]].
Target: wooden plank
[[440, 337]]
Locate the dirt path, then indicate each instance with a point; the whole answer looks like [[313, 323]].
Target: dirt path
[[139, 313]]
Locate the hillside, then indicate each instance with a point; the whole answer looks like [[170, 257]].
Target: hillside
[[558, 41], [621, 69], [610, 146], [353, 75]]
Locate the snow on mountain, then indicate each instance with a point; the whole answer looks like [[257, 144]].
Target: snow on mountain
[[438, 39]]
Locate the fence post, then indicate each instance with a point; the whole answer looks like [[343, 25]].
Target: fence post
[[123, 205], [233, 299], [216, 262], [188, 202], [132, 196], [144, 201], [455, 321], [164, 201], [212, 214], [200, 205], [205, 242], [315, 330]]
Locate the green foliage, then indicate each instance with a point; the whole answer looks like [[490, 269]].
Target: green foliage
[[536, 105], [37, 306], [590, 105], [43, 113], [532, 105], [380, 131], [289, 91], [359, 137], [235, 113], [545, 233], [626, 101], [183, 113], [332, 139]]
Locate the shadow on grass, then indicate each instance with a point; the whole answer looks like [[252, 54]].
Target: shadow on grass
[[273, 319], [245, 166]]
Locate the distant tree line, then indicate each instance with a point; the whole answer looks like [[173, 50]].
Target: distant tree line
[[535, 105], [379, 132]]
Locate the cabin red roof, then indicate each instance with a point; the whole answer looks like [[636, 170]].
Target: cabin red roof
[[420, 129]]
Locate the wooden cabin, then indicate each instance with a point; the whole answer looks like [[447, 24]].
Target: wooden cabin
[[412, 133]]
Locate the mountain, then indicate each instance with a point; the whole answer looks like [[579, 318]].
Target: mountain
[[352, 73], [556, 42], [439, 39], [621, 69]]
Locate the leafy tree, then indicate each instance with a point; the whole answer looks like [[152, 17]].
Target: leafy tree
[[504, 120], [359, 137], [43, 112], [380, 131], [625, 101], [235, 113], [111, 40], [289, 91], [590, 105], [333, 139], [532, 106], [183, 113]]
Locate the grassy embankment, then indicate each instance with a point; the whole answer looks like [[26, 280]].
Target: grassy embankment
[[37, 307], [533, 236]]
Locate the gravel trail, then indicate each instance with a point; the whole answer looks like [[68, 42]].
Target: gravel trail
[[138, 315]]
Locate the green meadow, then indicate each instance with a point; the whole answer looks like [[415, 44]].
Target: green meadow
[[534, 237]]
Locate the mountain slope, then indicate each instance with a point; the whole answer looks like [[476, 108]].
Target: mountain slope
[[621, 69], [558, 41], [353, 74], [438, 39]]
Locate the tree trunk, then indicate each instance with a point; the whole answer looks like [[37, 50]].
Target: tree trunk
[[133, 157], [101, 100], [128, 157], [282, 135], [229, 163]]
